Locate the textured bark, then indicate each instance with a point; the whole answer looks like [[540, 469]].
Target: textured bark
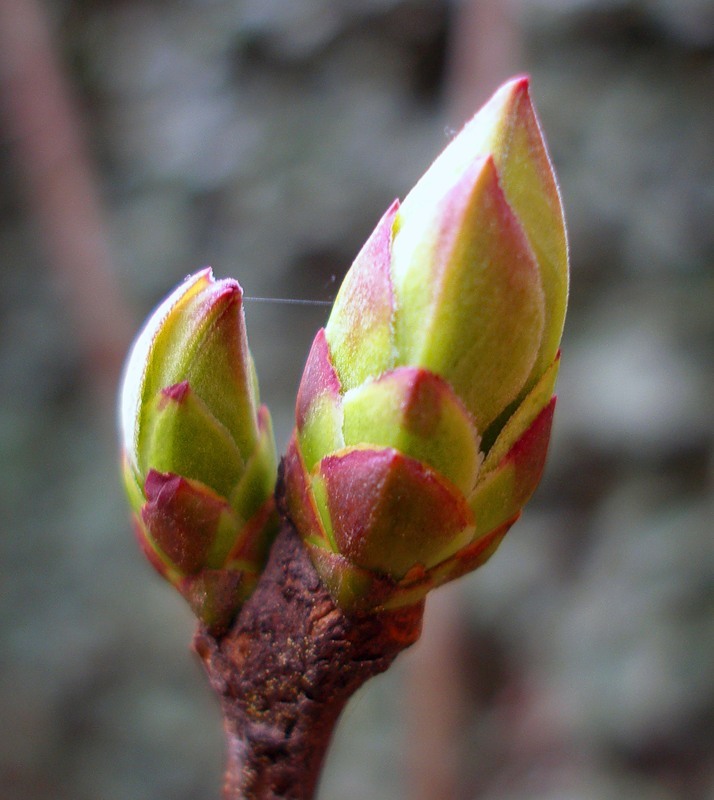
[[286, 669]]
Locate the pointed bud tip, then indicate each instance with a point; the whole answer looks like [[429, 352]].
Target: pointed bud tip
[[510, 104], [225, 286], [515, 89], [222, 296], [226, 291], [229, 290], [517, 85]]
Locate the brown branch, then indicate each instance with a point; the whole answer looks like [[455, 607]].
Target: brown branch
[[286, 669], [436, 686]]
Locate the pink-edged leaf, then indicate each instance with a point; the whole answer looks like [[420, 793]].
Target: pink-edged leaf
[[218, 363], [468, 292], [299, 500], [501, 494], [153, 556], [417, 413], [183, 518], [186, 439], [318, 378], [507, 129], [390, 512], [530, 186], [143, 375], [522, 417], [319, 404], [359, 330], [471, 557], [199, 337]]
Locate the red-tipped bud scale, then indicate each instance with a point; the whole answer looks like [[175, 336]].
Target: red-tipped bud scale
[[198, 450], [425, 409]]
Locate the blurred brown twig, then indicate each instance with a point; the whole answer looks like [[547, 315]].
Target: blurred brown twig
[[41, 117], [484, 50]]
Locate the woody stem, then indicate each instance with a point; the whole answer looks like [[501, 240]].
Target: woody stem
[[285, 670]]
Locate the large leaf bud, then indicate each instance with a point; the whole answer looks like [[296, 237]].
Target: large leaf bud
[[199, 456], [425, 408]]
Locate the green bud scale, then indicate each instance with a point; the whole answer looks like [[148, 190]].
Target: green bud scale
[[199, 457], [424, 412]]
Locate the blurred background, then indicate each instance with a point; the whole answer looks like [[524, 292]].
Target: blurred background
[[143, 139]]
